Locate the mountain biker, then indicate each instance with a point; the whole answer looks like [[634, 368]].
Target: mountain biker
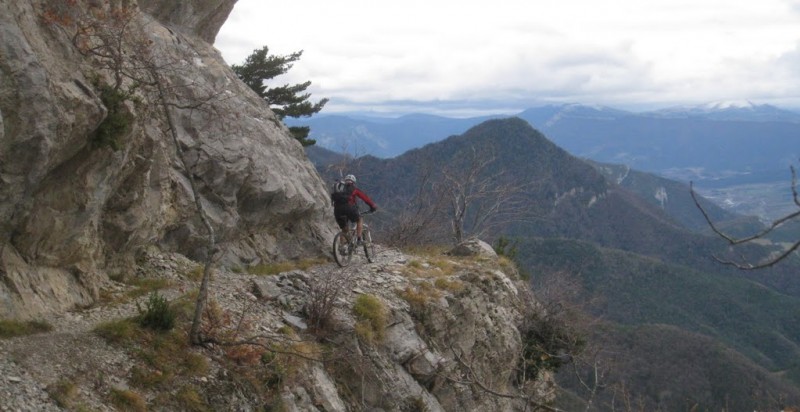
[[345, 207]]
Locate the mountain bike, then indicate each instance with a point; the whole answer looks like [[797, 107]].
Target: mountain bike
[[345, 245]]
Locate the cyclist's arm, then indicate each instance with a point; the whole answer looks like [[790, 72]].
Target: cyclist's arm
[[365, 198]]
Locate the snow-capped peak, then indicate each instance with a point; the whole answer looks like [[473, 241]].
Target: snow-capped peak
[[729, 110], [729, 104]]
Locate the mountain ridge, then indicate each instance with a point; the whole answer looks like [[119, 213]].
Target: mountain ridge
[[720, 151], [546, 115], [580, 204]]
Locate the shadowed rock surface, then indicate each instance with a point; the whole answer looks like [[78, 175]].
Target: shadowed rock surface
[[73, 212]]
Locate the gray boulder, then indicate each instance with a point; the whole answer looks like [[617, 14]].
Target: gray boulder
[[473, 247]]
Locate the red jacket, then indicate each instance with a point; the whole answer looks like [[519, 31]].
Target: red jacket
[[362, 195], [354, 193]]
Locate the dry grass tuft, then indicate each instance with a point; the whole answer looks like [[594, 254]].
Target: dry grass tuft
[[126, 400], [448, 284], [13, 328], [371, 314], [64, 392]]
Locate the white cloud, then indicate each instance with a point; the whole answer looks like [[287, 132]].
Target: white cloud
[[618, 52]]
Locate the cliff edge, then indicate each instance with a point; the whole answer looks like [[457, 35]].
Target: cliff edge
[[419, 332]]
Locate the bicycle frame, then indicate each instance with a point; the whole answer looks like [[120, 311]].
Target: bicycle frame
[[345, 243]]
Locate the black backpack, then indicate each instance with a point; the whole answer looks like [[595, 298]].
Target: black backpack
[[341, 193]]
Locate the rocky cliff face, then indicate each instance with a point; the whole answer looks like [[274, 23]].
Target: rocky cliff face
[[202, 18], [87, 181], [441, 333]]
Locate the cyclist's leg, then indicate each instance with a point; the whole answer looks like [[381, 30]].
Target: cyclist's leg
[[341, 216], [359, 227], [352, 216]]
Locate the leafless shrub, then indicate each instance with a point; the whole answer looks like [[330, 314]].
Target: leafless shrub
[[419, 221], [349, 160], [460, 198], [324, 291], [557, 332], [479, 200], [555, 329]]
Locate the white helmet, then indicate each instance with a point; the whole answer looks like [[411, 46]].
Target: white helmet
[[350, 178]]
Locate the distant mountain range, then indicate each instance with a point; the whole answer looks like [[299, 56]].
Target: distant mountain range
[[730, 110], [382, 137], [718, 146], [634, 244], [388, 137], [690, 147]]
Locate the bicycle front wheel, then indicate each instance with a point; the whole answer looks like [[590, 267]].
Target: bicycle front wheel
[[369, 247], [342, 252]]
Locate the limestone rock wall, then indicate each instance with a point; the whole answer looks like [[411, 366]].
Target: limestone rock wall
[[200, 17], [73, 212]]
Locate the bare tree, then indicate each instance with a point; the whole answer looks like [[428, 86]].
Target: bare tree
[[480, 200], [743, 263], [211, 246], [559, 333], [99, 31], [417, 219], [348, 160], [469, 377]]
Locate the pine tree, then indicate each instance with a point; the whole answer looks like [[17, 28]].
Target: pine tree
[[286, 100]]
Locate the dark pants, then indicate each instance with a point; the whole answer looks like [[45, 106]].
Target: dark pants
[[345, 213]]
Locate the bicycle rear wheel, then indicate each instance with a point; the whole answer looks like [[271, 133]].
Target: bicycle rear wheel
[[342, 252], [369, 247]]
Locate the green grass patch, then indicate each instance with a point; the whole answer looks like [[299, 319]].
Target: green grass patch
[[118, 331], [64, 392], [141, 286], [371, 314], [126, 400], [12, 328], [147, 378], [450, 285], [510, 268], [425, 250], [421, 294], [196, 273], [147, 285], [447, 266], [190, 400], [161, 356]]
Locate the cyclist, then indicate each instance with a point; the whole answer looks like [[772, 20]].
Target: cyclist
[[345, 208]]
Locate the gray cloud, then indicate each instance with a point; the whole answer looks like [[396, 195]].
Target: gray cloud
[[451, 55]]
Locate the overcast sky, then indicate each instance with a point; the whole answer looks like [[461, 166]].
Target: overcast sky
[[467, 57]]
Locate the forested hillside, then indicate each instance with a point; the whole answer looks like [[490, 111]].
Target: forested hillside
[[638, 266], [674, 198], [740, 156]]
